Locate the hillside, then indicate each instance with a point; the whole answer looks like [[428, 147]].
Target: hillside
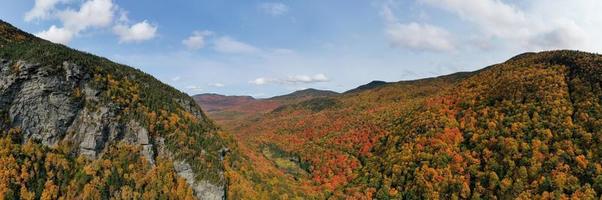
[[312, 148], [216, 102], [369, 86], [74, 125], [305, 94], [229, 109], [526, 128]]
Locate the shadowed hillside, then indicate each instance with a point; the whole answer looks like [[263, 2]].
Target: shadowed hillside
[[305, 94], [216, 102]]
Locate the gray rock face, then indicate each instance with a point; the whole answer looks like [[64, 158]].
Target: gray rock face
[[38, 100], [54, 104], [136, 134], [203, 190], [47, 103]]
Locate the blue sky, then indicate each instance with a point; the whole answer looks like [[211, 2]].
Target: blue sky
[[267, 48]]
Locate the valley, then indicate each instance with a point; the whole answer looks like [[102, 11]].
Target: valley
[[526, 128], [78, 126]]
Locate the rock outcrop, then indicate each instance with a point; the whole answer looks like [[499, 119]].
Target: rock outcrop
[[203, 189], [55, 95]]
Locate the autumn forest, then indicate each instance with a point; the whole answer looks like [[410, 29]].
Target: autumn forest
[[524, 129], [77, 126]]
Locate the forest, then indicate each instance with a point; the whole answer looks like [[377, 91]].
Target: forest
[[177, 130], [528, 128]]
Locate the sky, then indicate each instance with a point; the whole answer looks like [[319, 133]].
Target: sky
[[267, 48]]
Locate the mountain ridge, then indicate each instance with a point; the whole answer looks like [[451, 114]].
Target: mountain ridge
[[214, 102], [305, 93]]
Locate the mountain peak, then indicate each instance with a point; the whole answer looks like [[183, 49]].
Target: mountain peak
[[371, 85]]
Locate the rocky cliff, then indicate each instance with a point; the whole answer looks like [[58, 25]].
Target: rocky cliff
[[57, 96]]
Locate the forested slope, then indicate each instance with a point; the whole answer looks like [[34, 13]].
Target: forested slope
[[74, 125], [526, 128]]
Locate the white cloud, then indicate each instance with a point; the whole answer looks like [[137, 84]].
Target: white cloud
[[419, 37], [539, 25], [57, 35], [196, 40], [415, 36], [297, 79], [494, 16], [138, 32], [42, 9], [217, 85], [261, 81], [274, 9], [226, 44], [176, 79], [307, 79], [92, 13], [562, 36], [387, 13]]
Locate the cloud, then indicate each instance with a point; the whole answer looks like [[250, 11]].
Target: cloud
[[562, 36], [274, 9], [307, 79], [297, 79], [387, 13], [216, 85], [196, 40], [42, 9], [261, 81], [494, 16], [138, 32], [176, 79], [57, 35], [90, 14], [529, 27], [415, 36], [226, 44], [423, 37]]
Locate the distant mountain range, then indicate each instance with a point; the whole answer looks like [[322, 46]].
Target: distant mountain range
[[215, 102], [305, 94], [222, 107]]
